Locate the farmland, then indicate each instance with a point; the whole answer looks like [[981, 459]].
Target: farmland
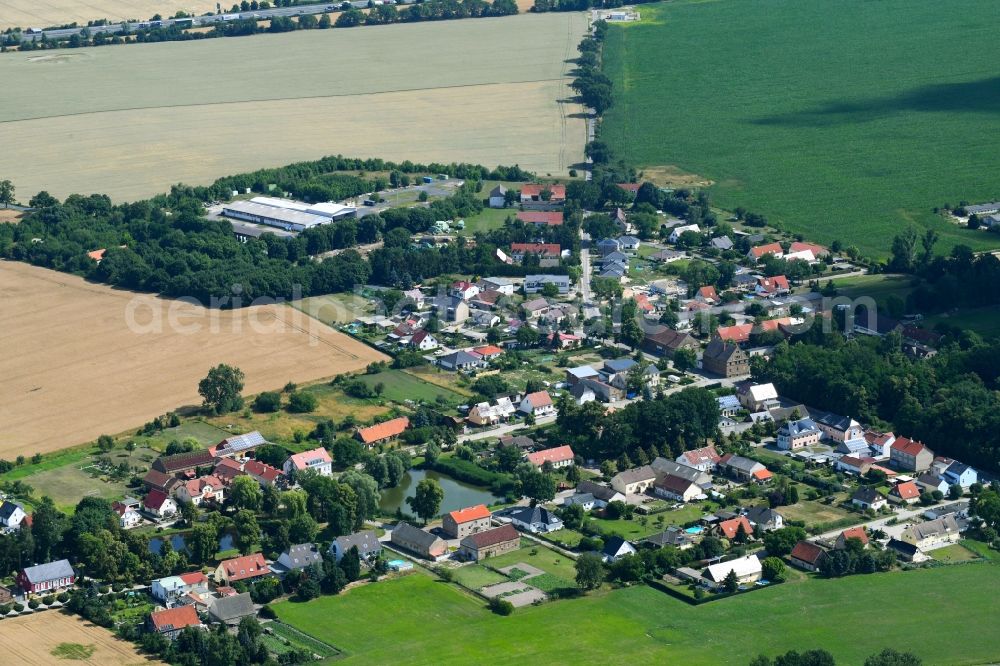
[[31, 13], [639, 624], [56, 638], [807, 121], [482, 91], [81, 370]]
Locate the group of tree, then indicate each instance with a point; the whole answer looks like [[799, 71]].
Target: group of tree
[[887, 657], [591, 84]]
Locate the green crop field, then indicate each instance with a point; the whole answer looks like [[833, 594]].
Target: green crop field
[[400, 386], [939, 616], [847, 120]]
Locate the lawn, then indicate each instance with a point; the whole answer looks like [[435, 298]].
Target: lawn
[[639, 624], [813, 513], [546, 559], [632, 530], [487, 220], [475, 576], [878, 287], [985, 321], [205, 433], [807, 121], [401, 386], [954, 553]]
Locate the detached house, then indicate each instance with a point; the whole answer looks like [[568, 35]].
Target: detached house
[[128, 515], [203, 489], [537, 404], [904, 493], [366, 541], [765, 518], [933, 533], [262, 473], [757, 397], [725, 359], [418, 541], [171, 621], [857, 533], [236, 569], [159, 504], [11, 514], [744, 469], [239, 446], [730, 529], [807, 555], [490, 543], [704, 459], [616, 548], [960, 474], [535, 519], [634, 481], [795, 435], [759, 252], [910, 455], [170, 588], [43, 578], [423, 340], [383, 432], [667, 341], [462, 523], [675, 488], [747, 569], [316, 460], [559, 457], [868, 498], [297, 557], [769, 287]]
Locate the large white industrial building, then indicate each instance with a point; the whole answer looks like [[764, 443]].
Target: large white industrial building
[[285, 214]]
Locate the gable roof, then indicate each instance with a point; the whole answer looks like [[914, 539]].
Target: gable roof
[[670, 338], [663, 465], [547, 218], [533, 514], [248, 566], [867, 495], [721, 350], [49, 571], [384, 430], [238, 443], [601, 492], [302, 555], [672, 536], [8, 508], [762, 514], [415, 535], [307, 459], [182, 461], [636, 474], [674, 484], [554, 455], [539, 399], [469, 514], [488, 350], [614, 545], [770, 248], [230, 608], [742, 566], [491, 537], [906, 490], [730, 528], [365, 541], [910, 447], [536, 189], [703, 455], [708, 293], [545, 249], [155, 499], [772, 284], [262, 470], [932, 528], [856, 533], [193, 578], [808, 552], [174, 619], [799, 246]]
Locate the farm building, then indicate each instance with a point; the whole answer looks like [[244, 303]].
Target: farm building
[[286, 214]]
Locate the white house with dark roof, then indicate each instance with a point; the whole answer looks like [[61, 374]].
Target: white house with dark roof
[[11, 514], [297, 557], [366, 541]]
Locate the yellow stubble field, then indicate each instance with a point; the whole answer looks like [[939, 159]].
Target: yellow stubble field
[[52, 637]]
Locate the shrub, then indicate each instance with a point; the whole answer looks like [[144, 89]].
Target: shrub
[[104, 589], [267, 612], [501, 606], [62, 597], [5, 609], [48, 599], [302, 403], [33, 604], [269, 401], [18, 607]]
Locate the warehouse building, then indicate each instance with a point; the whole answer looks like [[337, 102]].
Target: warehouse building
[[285, 214]]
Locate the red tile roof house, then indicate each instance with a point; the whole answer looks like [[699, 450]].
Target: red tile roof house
[[704, 459], [537, 404], [817, 250], [560, 456], [532, 193], [730, 528], [910, 455], [543, 250], [707, 295], [772, 286], [241, 568], [460, 524], [807, 555], [262, 473], [203, 489], [756, 253], [171, 621], [542, 218], [317, 460], [852, 533], [904, 493], [383, 432], [159, 504]]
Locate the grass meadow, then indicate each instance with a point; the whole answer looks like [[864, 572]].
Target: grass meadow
[[847, 122], [935, 613]]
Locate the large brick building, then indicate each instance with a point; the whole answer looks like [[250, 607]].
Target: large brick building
[[490, 543]]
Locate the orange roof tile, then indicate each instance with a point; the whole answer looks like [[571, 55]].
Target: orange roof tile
[[906, 490], [471, 513], [856, 533], [249, 566], [732, 526], [174, 618], [556, 455], [384, 430]]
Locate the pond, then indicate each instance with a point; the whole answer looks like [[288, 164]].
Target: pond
[[457, 494], [177, 541]]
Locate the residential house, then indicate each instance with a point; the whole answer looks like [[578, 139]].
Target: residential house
[[608, 246], [451, 309], [169, 622], [490, 543], [879, 443], [757, 397], [484, 319], [416, 297], [933, 533], [747, 569], [960, 474], [462, 523], [904, 493], [957, 509], [634, 481], [535, 519], [620, 220], [520, 441], [603, 495], [758, 253], [228, 469], [598, 390], [744, 469], [246, 568], [538, 404], [795, 435], [230, 610], [673, 536], [533, 193], [729, 406], [931, 482], [707, 295], [667, 341], [675, 488], [730, 529], [464, 289], [203, 489], [484, 414], [498, 197], [11, 514], [867, 321], [262, 473], [854, 465], [157, 480], [841, 429], [667, 256], [858, 533], [535, 308], [128, 514], [383, 432], [423, 340], [534, 283], [678, 231], [558, 457], [488, 352], [615, 258], [722, 243], [562, 340], [703, 459], [48, 577], [769, 287], [616, 548], [868, 498], [540, 218], [910, 455], [585, 500], [297, 557], [418, 541], [663, 465], [807, 555], [906, 551], [460, 361], [628, 243], [505, 286], [159, 504], [765, 518], [170, 588], [316, 460], [366, 541], [725, 359], [238, 447]]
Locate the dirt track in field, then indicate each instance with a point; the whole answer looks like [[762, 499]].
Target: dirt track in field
[[31, 640], [74, 367]]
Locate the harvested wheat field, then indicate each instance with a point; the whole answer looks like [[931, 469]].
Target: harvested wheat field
[[130, 121], [48, 638], [82, 359], [38, 14]]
